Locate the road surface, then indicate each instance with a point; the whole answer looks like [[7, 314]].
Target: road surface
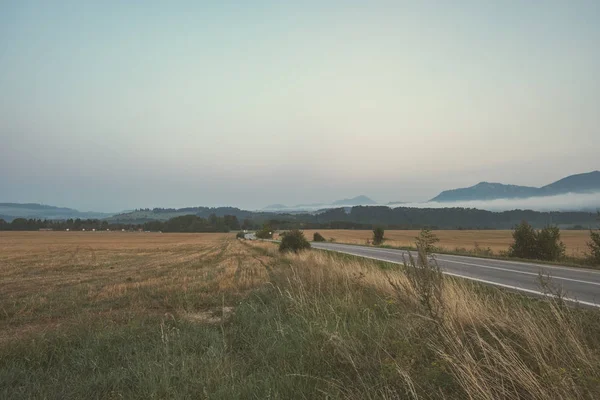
[[582, 285]]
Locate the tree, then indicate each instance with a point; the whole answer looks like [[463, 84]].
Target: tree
[[594, 245], [549, 247], [317, 237], [247, 224], [426, 240], [231, 222], [524, 242], [544, 244], [266, 232], [295, 241], [378, 236]]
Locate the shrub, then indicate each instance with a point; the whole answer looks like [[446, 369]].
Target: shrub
[[240, 235], [266, 232], [378, 235], [317, 237], [524, 242], [424, 276], [482, 251], [426, 240], [549, 246], [295, 241], [594, 245], [541, 245]]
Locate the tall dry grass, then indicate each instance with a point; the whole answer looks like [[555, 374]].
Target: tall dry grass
[[496, 345]]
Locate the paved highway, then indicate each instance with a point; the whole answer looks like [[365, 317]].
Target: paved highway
[[582, 285]]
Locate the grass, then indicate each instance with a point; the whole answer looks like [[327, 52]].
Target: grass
[[207, 316]]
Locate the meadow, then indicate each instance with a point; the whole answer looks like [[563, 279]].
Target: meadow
[[497, 240], [110, 315]]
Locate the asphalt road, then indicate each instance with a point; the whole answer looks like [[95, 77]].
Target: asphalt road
[[579, 284]]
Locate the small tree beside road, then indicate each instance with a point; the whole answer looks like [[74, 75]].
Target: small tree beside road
[[317, 237], [544, 244], [378, 236], [266, 232], [594, 245], [293, 241]]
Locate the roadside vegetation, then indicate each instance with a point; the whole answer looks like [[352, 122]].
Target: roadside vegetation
[[594, 245], [293, 241], [317, 237], [208, 316], [534, 244], [378, 236], [266, 232], [522, 243]]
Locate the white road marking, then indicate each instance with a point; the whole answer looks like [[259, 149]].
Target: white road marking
[[477, 280], [517, 271]]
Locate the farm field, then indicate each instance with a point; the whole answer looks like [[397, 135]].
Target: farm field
[[110, 315], [497, 240]]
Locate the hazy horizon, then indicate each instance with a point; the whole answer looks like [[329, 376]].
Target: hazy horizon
[[113, 106]]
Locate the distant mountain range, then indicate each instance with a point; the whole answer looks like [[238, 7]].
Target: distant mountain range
[[10, 211], [354, 201], [580, 183]]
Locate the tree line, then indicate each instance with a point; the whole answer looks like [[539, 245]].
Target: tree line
[[369, 217], [186, 223]]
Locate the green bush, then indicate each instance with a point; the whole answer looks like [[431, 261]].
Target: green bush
[[266, 232], [540, 245], [317, 237], [549, 246], [378, 235], [295, 241], [524, 242], [240, 235]]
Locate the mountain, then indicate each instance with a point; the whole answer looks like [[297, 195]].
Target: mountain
[[355, 201], [10, 211], [275, 207], [486, 191], [579, 183]]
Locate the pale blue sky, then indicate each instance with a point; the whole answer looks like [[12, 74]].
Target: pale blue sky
[[114, 105]]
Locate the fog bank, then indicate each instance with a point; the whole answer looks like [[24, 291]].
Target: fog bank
[[563, 202]]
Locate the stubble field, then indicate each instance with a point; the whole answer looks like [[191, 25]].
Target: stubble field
[[111, 315], [496, 240]]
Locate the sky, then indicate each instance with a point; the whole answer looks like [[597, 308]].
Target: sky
[[115, 105]]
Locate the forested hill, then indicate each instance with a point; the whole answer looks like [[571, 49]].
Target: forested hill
[[456, 218]]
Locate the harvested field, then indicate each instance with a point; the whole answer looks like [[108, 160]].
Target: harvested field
[[153, 316], [53, 279], [497, 240]]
